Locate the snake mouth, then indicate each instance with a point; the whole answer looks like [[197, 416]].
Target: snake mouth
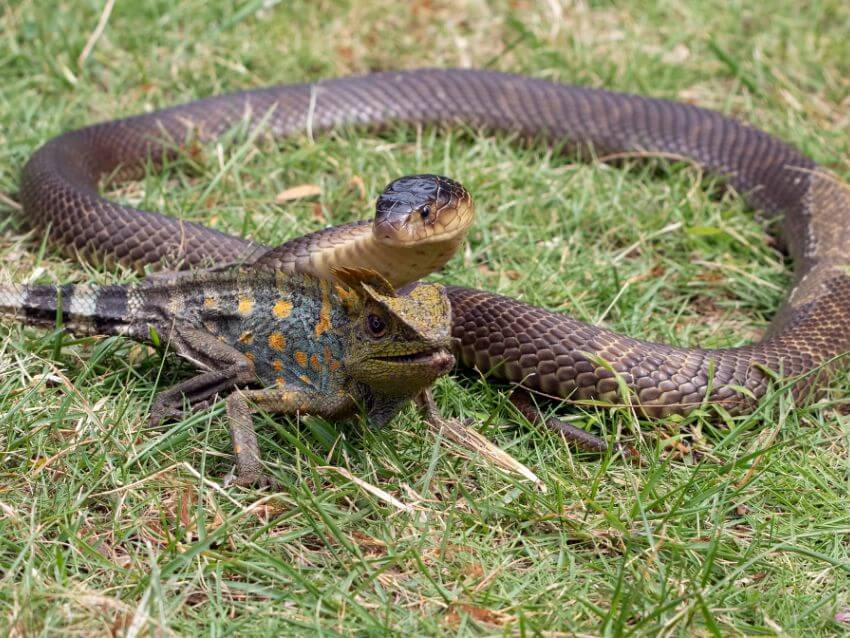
[[453, 223]]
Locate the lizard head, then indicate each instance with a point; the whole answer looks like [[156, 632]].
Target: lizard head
[[399, 340]]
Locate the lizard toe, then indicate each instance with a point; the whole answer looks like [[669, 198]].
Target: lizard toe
[[252, 479]]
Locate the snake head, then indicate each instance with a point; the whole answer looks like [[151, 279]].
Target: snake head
[[398, 341], [422, 209]]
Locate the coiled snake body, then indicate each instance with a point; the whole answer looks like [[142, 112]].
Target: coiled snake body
[[545, 352]]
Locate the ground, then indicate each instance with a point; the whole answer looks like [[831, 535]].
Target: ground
[[731, 528]]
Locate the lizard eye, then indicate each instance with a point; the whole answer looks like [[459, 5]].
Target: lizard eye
[[376, 326]]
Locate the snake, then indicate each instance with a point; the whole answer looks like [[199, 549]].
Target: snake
[[504, 338]]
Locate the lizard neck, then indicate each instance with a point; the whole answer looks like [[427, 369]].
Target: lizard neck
[[380, 408]]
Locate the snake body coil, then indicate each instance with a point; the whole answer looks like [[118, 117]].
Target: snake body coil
[[544, 351]]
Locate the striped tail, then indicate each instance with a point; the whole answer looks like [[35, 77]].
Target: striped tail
[[85, 309]]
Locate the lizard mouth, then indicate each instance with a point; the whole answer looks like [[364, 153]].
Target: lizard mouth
[[434, 357]]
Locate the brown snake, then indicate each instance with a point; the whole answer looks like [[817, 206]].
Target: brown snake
[[545, 352]]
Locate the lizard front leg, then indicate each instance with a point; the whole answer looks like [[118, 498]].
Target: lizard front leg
[[227, 368], [242, 403]]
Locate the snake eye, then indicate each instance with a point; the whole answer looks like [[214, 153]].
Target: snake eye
[[425, 212], [376, 326]]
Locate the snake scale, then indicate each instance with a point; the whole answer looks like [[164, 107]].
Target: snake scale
[[545, 352]]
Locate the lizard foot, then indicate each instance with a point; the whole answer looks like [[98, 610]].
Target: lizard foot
[[251, 479], [165, 409]]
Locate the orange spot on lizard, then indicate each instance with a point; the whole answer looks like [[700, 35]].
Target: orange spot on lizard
[[246, 305], [282, 309], [324, 323], [277, 341]]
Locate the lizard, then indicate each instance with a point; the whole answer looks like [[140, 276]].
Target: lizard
[[284, 342]]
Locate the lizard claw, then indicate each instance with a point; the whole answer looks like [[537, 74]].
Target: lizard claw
[[251, 479], [166, 409], [163, 411]]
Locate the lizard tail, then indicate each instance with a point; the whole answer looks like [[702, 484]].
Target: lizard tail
[[83, 309]]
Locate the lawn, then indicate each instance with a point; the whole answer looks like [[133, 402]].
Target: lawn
[[733, 528]]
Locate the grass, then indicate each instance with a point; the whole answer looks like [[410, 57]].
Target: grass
[[736, 528]]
